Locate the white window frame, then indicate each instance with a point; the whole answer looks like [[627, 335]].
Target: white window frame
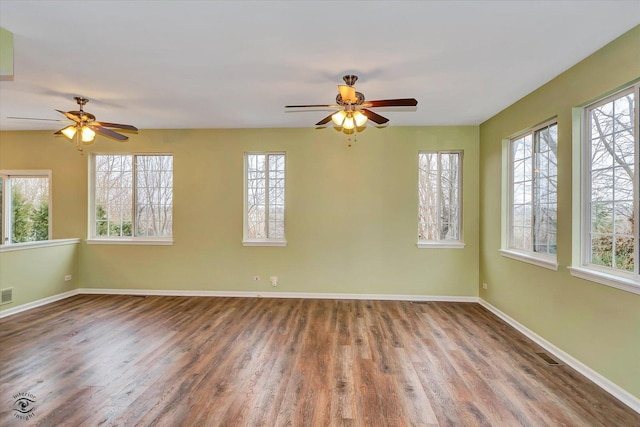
[[444, 244], [6, 176], [536, 258], [129, 240], [246, 241], [581, 198]]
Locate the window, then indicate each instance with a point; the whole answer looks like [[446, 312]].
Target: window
[[264, 199], [439, 199], [132, 197], [25, 206], [609, 190], [532, 196]]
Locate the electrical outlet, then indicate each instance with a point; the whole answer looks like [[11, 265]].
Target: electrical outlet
[[256, 278], [484, 286], [67, 277], [274, 281]]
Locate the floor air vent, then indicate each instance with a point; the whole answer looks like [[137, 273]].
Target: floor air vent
[[550, 360], [6, 296]]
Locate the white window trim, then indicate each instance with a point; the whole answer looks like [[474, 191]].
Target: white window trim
[[93, 239], [267, 242], [448, 244], [540, 260], [442, 244], [535, 258], [580, 198], [144, 241], [603, 278], [6, 204], [264, 242], [37, 245]]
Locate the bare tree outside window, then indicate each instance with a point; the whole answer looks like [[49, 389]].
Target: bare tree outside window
[[533, 202], [612, 140], [113, 194], [154, 195], [265, 192], [128, 187], [439, 187]]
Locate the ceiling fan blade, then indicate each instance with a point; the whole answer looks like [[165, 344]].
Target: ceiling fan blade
[[107, 132], [325, 120], [115, 125], [348, 94], [402, 102], [374, 117], [70, 116], [33, 118], [314, 106]]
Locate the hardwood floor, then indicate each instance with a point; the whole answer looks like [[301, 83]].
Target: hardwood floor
[[191, 361]]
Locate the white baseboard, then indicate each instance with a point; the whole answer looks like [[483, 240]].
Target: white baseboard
[[38, 303], [228, 294], [304, 295], [613, 389]]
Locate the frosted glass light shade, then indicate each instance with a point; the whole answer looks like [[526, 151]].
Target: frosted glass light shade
[[87, 134], [349, 122], [338, 118], [69, 132], [360, 118]]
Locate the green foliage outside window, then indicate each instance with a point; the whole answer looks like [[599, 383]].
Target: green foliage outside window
[[104, 227], [30, 220]]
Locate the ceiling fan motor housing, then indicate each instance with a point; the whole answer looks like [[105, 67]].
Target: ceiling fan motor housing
[[359, 99], [350, 79]]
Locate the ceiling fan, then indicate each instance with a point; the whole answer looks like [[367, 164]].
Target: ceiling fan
[[85, 126], [353, 110]]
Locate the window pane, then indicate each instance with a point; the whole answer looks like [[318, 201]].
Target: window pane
[[127, 182], [612, 172], [256, 197], [265, 189], [438, 196], [113, 196], [624, 253], [154, 195], [545, 183], [533, 174], [30, 209]]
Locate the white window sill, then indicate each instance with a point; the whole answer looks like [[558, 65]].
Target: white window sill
[[539, 260], [444, 244], [608, 279], [132, 241], [34, 245], [269, 242]]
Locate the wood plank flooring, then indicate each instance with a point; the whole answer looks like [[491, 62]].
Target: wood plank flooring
[[195, 361]]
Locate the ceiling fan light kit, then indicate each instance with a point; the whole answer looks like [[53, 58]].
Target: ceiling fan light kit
[[353, 111], [85, 127]]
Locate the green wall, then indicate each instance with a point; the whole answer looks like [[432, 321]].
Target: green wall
[[598, 325], [6, 54], [351, 212], [38, 273]]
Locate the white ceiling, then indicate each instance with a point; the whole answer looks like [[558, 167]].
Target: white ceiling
[[235, 64]]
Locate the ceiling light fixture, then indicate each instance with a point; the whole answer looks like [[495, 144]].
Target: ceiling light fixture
[[88, 135], [85, 127], [349, 119], [84, 132]]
